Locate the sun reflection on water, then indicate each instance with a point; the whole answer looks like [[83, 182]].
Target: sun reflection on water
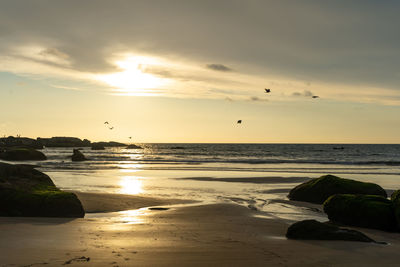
[[131, 185]]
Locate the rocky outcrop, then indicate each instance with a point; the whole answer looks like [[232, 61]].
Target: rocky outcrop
[[77, 156], [319, 189], [314, 230], [132, 146], [12, 141], [21, 153], [27, 192], [64, 142], [111, 144], [361, 210], [97, 146]]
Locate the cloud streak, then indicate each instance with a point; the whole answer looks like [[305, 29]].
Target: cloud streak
[[218, 67]]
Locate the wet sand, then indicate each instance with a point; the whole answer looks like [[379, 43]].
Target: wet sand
[[195, 235], [99, 202]]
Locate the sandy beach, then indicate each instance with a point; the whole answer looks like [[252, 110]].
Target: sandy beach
[[192, 235]]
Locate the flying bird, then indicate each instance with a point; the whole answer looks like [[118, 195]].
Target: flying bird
[[239, 121], [315, 96], [106, 122], [130, 137], [267, 90], [110, 128]]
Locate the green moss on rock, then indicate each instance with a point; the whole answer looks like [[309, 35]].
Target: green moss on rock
[[27, 192], [21, 153], [395, 197], [314, 230], [361, 210], [319, 189]]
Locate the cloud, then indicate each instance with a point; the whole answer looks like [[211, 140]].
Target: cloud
[[256, 98], [338, 43], [305, 93], [218, 67]]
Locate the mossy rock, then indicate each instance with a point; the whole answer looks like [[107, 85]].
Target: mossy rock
[[319, 189], [77, 156], [361, 210], [314, 230], [395, 197], [21, 153], [27, 192]]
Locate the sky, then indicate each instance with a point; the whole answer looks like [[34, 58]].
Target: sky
[[186, 71]]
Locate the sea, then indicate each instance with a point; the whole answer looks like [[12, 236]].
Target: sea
[[258, 176]]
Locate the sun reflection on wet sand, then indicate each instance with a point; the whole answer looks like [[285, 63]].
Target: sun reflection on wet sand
[[131, 185], [132, 216]]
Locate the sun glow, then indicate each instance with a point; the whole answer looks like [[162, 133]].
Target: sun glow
[[133, 79]]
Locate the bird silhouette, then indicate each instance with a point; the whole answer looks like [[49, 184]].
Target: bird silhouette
[[110, 128], [315, 96], [267, 90], [106, 122], [239, 121], [130, 137]]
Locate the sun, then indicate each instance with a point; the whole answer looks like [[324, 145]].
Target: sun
[[133, 79]]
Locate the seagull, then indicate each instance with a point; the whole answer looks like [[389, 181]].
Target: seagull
[[106, 122], [267, 90], [110, 128], [315, 96], [239, 121]]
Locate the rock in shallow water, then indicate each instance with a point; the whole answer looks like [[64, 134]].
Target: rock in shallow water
[[318, 190], [77, 156], [26, 192], [361, 210], [314, 230]]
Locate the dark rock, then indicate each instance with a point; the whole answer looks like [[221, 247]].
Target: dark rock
[[110, 144], [314, 230], [27, 192], [319, 189], [97, 146], [64, 142], [12, 141], [77, 156], [361, 210], [133, 147], [395, 197], [21, 153]]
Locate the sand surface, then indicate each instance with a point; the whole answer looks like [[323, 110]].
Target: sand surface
[[196, 235]]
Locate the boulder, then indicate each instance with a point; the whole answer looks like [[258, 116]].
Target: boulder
[[21, 153], [314, 230], [319, 189], [361, 210], [132, 146], [26, 192], [395, 197], [77, 156]]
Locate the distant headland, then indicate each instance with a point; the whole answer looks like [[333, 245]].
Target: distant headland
[[59, 141]]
